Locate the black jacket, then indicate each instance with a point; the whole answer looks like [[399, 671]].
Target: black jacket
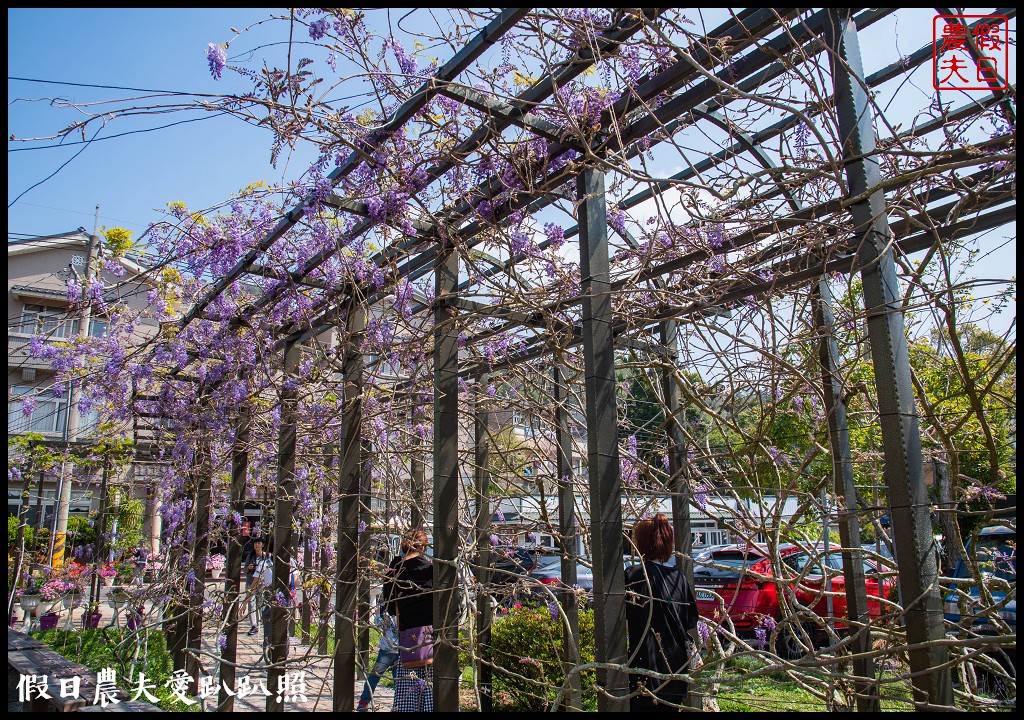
[[407, 591], [660, 612], [250, 559]]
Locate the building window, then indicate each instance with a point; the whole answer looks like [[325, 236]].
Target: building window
[[48, 321], [98, 326], [50, 415]]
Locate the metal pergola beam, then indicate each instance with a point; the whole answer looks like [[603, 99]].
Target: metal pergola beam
[[284, 543], [233, 596], [568, 534], [349, 492], [446, 482], [857, 612], [502, 23], [602, 445], [813, 266], [901, 438]]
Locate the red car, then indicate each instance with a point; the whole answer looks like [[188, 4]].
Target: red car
[[742, 576]]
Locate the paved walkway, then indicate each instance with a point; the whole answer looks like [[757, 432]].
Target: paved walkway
[[318, 670]]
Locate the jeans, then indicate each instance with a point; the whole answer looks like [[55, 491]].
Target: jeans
[[252, 590], [385, 660]]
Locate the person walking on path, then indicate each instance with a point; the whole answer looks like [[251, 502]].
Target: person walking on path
[[661, 614], [387, 655], [253, 564], [407, 596]]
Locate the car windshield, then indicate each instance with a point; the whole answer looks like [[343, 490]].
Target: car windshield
[[997, 554], [736, 560]]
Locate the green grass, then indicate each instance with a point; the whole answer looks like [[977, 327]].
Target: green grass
[[101, 649]]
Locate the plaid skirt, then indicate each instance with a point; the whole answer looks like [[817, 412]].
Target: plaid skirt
[[414, 688]]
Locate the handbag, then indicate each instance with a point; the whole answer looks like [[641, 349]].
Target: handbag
[[416, 646]]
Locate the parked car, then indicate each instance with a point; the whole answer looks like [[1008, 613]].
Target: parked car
[[510, 571], [742, 576], [996, 556], [548, 571]]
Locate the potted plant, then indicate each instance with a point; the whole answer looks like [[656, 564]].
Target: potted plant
[[117, 598], [48, 621], [215, 564], [125, 573], [91, 618], [28, 598], [108, 574], [52, 593]]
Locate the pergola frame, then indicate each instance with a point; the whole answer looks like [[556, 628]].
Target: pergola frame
[[694, 95]]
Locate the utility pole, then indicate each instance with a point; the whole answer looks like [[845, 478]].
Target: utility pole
[[74, 417]]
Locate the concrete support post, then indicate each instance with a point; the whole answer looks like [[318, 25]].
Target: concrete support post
[[74, 416]]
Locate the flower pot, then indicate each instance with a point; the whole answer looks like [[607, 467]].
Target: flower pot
[[72, 601], [42, 608], [91, 622], [29, 603], [108, 581], [215, 573], [48, 621]]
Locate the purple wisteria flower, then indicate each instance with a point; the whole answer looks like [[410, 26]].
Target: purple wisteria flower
[[553, 610], [28, 406], [318, 29], [218, 60], [74, 291], [761, 635], [703, 630], [777, 455], [700, 496]]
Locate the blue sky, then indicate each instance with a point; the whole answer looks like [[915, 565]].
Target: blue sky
[[130, 177]]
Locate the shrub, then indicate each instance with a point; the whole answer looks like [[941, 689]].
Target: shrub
[[80, 533], [12, 533], [528, 649]]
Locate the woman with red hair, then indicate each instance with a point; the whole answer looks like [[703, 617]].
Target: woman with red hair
[[661, 613]]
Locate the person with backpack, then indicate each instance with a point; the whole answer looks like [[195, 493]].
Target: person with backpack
[[661, 615]]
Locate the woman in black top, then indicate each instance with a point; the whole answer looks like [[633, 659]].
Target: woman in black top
[[660, 614], [407, 595]]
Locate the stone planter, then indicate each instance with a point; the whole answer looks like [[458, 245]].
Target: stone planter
[[107, 581], [215, 573], [29, 603], [70, 602]]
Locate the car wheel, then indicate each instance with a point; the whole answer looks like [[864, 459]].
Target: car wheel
[[789, 643]]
